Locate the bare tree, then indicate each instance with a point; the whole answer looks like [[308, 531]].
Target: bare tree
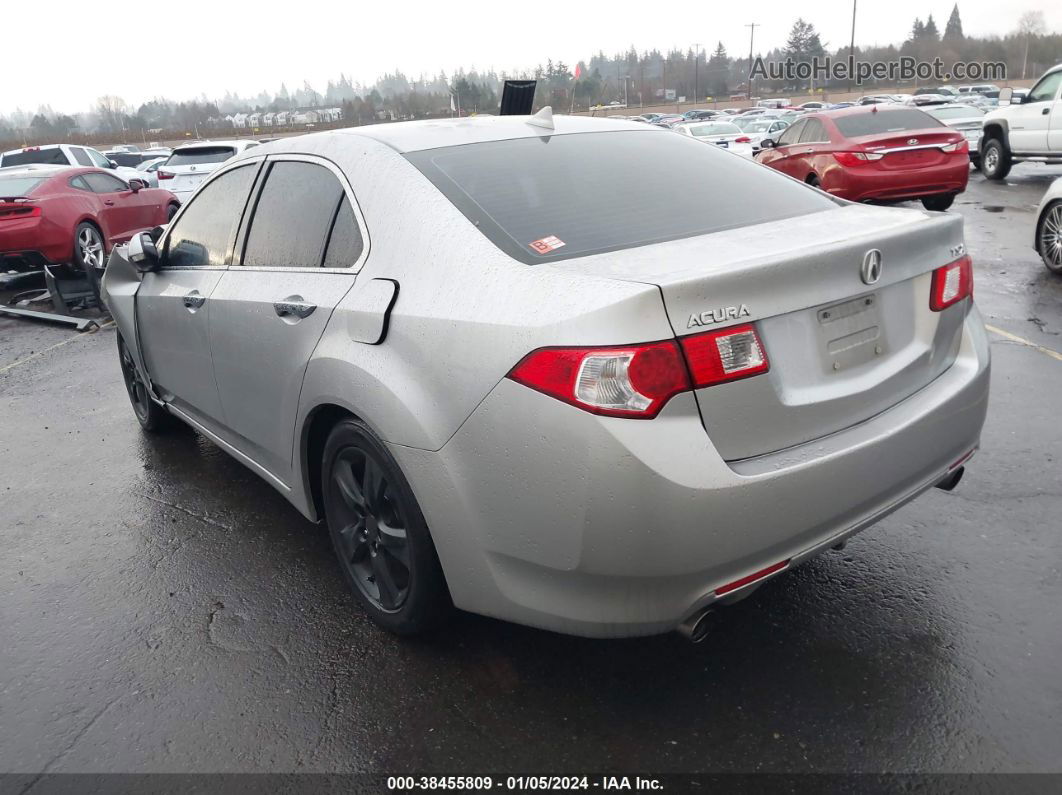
[[1030, 24]]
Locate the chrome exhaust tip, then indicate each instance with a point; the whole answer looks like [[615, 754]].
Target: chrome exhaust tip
[[949, 482], [695, 628]]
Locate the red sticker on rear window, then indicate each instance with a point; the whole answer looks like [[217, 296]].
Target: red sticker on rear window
[[546, 244]]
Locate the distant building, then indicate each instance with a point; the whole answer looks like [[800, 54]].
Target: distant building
[[282, 119], [239, 120], [268, 119]]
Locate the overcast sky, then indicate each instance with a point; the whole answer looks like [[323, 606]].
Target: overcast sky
[[188, 48]]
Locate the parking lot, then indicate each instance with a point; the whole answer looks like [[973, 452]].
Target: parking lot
[[163, 610]]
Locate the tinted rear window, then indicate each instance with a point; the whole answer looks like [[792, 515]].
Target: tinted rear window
[[53, 155], [199, 155], [16, 187], [564, 196], [884, 122]]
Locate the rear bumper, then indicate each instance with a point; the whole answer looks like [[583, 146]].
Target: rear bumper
[[865, 184], [35, 241], [548, 516]]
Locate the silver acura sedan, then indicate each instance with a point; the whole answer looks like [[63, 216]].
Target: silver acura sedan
[[584, 375]]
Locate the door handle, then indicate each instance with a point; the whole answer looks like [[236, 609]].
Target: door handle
[[109, 203], [1045, 111], [808, 151], [193, 300], [294, 306]]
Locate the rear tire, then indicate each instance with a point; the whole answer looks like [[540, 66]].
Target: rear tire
[[995, 160], [90, 249], [151, 416], [1049, 237], [939, 203], [171, 211], [379, 534]]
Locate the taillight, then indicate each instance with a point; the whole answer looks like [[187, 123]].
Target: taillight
[[744, 139], [959, 146], [726, 355], [18, 211], [164, 174], [855, 158], [637, 380], [951, 283], [628, 381]]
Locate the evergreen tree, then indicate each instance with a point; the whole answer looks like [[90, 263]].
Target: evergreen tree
[[931, 33], [953, 30], [803, 42], [918, 30]]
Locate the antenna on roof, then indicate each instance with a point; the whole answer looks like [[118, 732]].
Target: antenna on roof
[[544, 118]]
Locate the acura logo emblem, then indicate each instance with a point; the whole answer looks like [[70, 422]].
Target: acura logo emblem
[[870, 272]]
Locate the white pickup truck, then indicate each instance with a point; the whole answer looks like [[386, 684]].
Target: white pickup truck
[[1026, 128], [64, 155]]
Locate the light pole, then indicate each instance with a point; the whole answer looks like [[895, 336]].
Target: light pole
[[696, 67], [851, 49], [752, 34], [625, 79]]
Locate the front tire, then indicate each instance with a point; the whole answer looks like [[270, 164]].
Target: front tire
[[995, 160], [1049, 237], [939, 203], [379, 534], [151, 416], [170, 212]]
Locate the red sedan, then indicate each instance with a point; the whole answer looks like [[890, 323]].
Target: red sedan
[[874, 153], [59, 214]]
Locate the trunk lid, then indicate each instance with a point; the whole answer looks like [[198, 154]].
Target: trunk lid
[[908, 149], [840, 350]]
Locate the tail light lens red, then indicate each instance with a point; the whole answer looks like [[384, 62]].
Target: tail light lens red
[[962, 146], [856, 158], [18, 211], [744, 139], [636, 381], [164, 174], [951, 284]]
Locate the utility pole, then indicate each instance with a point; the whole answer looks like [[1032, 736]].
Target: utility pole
[[851, 49], [752, 34], [625, 79], [696, 66]]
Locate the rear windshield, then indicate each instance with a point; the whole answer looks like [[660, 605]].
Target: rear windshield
[[52, 155], [17, 187], [563, 196], [201, 154], [884, 121], [955, 113], [723, 128]]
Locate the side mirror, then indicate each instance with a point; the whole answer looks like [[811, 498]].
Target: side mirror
[[137, 185], [767, 143], [143, 253], [113, 164], [1006, 95]]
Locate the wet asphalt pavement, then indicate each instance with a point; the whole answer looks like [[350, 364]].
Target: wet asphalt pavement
[[163, 609]]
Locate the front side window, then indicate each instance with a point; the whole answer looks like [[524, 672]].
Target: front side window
[[292, 216], [203, 235], [98, 160], [1047, 88], [813, 133], [791, 134], [104, 183], [80, 156], [563, 196]]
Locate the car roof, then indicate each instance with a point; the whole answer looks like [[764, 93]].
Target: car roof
[[233, 142], [414, 136]]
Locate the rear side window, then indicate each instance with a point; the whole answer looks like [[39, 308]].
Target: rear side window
[[292, 216], [200, 155], [563, 196], [884, 122], [204, 232], [51, 156], [345, 243]]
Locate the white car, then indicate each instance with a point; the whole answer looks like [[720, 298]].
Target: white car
[[724, 134], [756, 129], [964, 118], [1048, 242], [190, 164], [64, 155], [148, 171]]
